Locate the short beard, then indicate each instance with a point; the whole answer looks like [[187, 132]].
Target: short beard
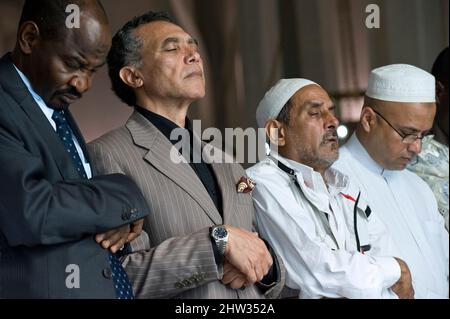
[[321, 161]]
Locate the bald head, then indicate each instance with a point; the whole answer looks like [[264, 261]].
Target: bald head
[[50, 15]]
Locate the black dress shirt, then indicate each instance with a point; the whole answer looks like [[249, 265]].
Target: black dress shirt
[[203, 170]]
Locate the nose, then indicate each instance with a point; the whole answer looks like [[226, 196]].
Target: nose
[[331, 121], [192, 56], [81, 82], [416, 146]]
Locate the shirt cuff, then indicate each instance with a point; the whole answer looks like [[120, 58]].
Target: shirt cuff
[[390, 268]]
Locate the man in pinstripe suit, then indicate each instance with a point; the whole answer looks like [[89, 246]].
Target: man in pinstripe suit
[[200, 240]]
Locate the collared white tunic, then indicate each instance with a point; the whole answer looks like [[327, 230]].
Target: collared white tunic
[[407, 207], [311, 227]]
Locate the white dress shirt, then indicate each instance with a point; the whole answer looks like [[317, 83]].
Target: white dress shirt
[[311, 226], [48, 112], [408, 208]]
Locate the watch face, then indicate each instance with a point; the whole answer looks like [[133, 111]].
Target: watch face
[[220, 232]]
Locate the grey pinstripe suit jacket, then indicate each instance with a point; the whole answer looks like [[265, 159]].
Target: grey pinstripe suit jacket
[[178, 261]]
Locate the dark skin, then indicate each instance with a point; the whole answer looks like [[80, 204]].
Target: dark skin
[[61, 71], [403, 288]]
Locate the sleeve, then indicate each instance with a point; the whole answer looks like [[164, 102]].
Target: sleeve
[[437, 229], [170, 268], [311, 265], [34, 211], [272, 284], [174, 266], [383, 248]]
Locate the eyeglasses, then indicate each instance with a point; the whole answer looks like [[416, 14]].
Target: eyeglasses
[[406, 138]]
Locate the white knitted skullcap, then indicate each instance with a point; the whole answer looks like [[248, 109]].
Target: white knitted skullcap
[[401, 83], [277, 97]]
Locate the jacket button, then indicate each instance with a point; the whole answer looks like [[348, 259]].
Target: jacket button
[[107, 273], [179, 285]]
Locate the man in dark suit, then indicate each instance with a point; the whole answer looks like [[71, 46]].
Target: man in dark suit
[[50, 207]]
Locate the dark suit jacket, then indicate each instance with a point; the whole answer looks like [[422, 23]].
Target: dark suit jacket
[[48, 216]]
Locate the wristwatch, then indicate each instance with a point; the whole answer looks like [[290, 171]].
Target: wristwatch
[[219, 235]]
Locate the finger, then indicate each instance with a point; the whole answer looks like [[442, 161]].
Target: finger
[[135, 230], [230, 276], [118, 245], [238, 282], [251, 278], [269, 264], [137, 226], [100, 237], [108, 234], [132, 236], [227, 267], [230, 272], [259, 273], [118, 235]]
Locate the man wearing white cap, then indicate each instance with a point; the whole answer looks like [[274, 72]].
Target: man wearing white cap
[[316, 219], [398, 112]]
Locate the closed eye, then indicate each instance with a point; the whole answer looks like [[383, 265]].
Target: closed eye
[[72, 64]]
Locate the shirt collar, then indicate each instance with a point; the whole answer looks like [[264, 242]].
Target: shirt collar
[[355, 148], [334, 182], [164, 125], [48, 112], [28, 85]]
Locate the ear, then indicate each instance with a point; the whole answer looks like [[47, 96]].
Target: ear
[[368, 119], [131, 77], [276, 132], [28, 37]]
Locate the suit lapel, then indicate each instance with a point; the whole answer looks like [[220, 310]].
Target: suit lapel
[[227, 186], [13, 85], [146, 135]]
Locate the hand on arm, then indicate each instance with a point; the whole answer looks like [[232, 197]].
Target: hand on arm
[[116, 238], [232, 276], [247, 254], [403, 287]]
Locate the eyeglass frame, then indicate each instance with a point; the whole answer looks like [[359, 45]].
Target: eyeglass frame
[[403, 136]]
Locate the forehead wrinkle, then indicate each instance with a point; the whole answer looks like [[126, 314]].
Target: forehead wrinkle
[[171, 40], [315, 104]]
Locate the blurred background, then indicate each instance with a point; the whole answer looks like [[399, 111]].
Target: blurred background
[[247, 45]]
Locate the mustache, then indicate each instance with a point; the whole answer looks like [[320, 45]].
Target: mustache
[[331, 133], [70, 91]]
